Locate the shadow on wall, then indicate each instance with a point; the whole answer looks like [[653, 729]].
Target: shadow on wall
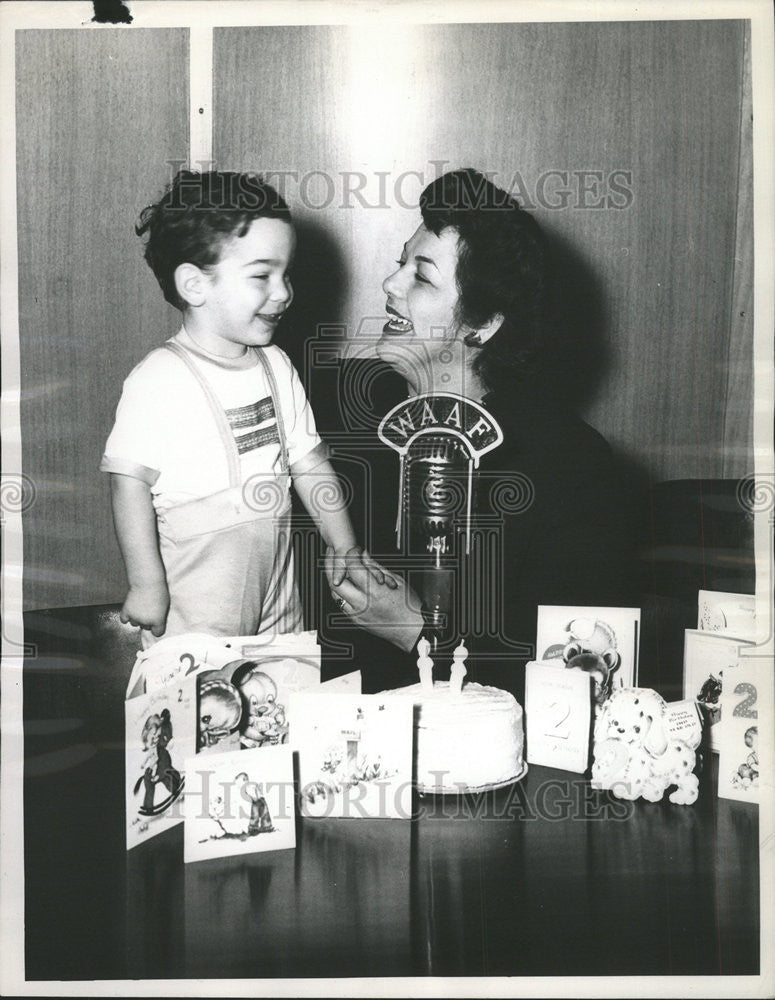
[[579, 355], [320, 282]]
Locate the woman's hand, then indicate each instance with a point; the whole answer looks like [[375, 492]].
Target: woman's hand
[[147, 607], [390, 610], [338, 566]]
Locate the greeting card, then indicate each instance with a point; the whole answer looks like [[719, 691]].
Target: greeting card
[[160, 729], [239, 803], [636, 752], [603, 642], [707, 656], [355, 754], [733, 614], [738, 766], [199, 694], [245, 703], [344, 684], [177, 656], [558, 713]]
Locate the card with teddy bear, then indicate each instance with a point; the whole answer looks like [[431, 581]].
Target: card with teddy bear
[[603, 642]]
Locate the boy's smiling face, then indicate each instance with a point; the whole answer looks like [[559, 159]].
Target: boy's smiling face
[[247, 291]]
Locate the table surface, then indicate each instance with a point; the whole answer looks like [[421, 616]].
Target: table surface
[[547, 877]]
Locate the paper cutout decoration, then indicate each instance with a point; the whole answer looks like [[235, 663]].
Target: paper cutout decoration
[[634, 754]]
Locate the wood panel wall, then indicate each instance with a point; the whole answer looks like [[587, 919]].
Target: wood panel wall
[[656, 303], [99, 115], [648, 322]]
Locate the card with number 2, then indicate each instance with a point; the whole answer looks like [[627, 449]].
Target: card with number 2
[[739, 750], [558, 706]]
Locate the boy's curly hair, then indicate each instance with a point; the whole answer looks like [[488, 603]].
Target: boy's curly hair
[[197, 214], [502, 268]]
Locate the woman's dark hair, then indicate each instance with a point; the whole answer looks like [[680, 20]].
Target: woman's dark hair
[[502, 268], [197, 214]]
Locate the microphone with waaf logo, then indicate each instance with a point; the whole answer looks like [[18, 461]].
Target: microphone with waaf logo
[[440, 439]]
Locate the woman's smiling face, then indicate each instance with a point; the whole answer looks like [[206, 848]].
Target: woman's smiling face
[[422, 298]]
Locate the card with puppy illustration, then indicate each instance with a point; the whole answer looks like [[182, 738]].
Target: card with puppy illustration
[[641, 750], [738, 766], [239, 803], [355, 754], [707, 658], [160, 735], [603, 642]]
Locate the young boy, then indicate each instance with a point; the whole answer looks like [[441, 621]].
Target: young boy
[[212, 427]]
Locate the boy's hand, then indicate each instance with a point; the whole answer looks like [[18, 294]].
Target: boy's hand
[[337, 564], [147, 607], [391, 612]]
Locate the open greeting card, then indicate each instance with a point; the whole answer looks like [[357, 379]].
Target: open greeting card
[[601, 641], [239, 803], [355, 754]]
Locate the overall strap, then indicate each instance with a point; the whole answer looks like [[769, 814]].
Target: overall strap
[[284, 462], [221, 421]]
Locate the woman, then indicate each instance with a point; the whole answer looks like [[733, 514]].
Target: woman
[[467, 315]]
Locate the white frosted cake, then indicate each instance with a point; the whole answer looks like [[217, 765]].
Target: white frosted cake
[[465, 742]]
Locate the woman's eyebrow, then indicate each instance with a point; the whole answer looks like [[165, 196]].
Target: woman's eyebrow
[[426, 260]]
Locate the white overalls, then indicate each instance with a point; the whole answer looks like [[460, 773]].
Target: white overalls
[[228, 557]]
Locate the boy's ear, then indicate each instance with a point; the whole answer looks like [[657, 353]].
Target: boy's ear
[[191, 284]]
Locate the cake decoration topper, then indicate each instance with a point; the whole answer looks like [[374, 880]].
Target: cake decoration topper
[[425, 664], [459, 432], [458, 670]]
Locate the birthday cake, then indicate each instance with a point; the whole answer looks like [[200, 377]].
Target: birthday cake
[[465, 742]]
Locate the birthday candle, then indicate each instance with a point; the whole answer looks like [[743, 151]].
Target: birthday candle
[[425, 664], [458, 669]]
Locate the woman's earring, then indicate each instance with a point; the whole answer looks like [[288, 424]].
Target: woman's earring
[[472, 340]]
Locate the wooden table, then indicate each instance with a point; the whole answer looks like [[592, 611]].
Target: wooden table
[[544, 878]]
